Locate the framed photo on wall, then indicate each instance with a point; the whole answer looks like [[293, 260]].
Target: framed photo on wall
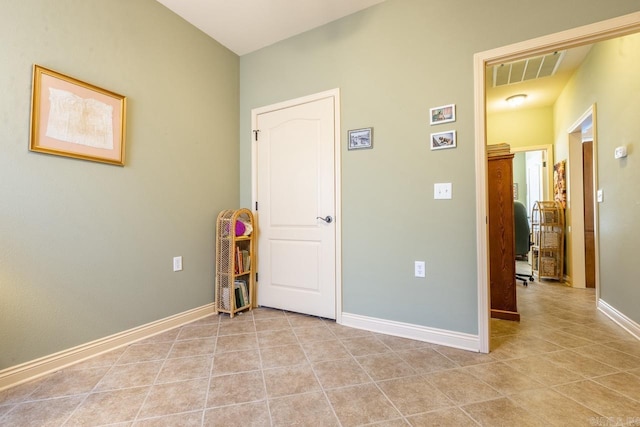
[[442, 114], [443, 140], [75, 119], [560, 183], [360, 138]]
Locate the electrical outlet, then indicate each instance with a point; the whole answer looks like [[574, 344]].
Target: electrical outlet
[[442, 190], [419, 269], [177, 263]]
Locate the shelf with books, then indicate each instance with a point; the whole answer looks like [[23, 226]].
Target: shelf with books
[[235, 261]]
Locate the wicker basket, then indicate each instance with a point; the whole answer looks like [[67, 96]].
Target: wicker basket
[[547, 266], [550, 239]]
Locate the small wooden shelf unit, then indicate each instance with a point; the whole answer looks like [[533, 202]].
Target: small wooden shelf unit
[[547, 227], [235, 262]]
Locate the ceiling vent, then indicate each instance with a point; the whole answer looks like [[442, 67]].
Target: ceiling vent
[[527, 69]]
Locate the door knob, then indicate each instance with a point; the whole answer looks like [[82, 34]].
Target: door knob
[[326, 219]]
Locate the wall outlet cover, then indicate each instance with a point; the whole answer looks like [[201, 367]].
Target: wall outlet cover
[[442, 190]]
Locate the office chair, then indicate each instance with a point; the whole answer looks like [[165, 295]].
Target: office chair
[[522, 233]]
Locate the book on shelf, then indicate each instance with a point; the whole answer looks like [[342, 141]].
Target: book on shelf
[[241, 286], [240, 302], [238, 263], [245, 292], [246, 260]]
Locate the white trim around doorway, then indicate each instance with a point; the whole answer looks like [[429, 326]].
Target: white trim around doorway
[[592, 33], [575, 201]]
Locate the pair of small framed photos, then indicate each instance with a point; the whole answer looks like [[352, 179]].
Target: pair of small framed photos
[[439, 115]]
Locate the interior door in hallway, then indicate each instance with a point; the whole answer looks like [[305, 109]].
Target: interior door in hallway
[[589, 225], [295, 192]]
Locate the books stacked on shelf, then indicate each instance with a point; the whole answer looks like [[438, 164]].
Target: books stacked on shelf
[[243, 261], [241, 293]]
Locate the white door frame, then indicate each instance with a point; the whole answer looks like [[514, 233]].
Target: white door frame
[[335, 94], [592, 33], [575, 201]]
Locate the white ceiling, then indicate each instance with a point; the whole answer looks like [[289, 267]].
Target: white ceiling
[[247, 25], [244, 26]]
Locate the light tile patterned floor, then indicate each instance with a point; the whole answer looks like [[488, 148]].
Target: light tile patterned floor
[[564, 364]]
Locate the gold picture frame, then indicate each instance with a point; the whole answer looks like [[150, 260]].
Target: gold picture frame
[[72, 118]]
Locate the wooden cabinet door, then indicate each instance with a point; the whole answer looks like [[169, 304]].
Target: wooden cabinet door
[[502, 238]]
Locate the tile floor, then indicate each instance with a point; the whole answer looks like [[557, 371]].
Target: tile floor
[[564, 364]]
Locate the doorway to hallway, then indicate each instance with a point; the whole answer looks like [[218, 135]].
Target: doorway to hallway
[[592, 33]]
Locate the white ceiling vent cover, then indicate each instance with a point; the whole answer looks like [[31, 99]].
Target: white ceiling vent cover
[[527, 69]]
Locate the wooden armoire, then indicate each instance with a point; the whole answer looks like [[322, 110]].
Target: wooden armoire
[[502, 258]]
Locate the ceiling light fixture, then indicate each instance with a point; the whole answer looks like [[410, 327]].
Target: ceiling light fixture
[[516, 100]]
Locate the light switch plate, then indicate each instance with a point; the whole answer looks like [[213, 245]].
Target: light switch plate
[[177, 263], [600, 196], [442, 190], [419, 269]]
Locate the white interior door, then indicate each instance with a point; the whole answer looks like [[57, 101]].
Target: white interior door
[[535, 187], [295, 190]]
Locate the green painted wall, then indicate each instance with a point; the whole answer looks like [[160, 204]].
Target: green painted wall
[[86, 248], [392, 62], [520, 175], [609, 79]]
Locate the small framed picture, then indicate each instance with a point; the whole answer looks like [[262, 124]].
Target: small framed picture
[[443, 114], [442, 140], [360, 138]]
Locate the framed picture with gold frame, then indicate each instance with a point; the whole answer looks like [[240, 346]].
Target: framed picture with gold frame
[[75, 119]]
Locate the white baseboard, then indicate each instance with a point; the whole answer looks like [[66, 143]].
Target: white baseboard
[[415, 332], [36, 368], [627, 324]]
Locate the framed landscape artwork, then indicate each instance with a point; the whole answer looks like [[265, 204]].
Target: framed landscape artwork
[[360, 138]]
